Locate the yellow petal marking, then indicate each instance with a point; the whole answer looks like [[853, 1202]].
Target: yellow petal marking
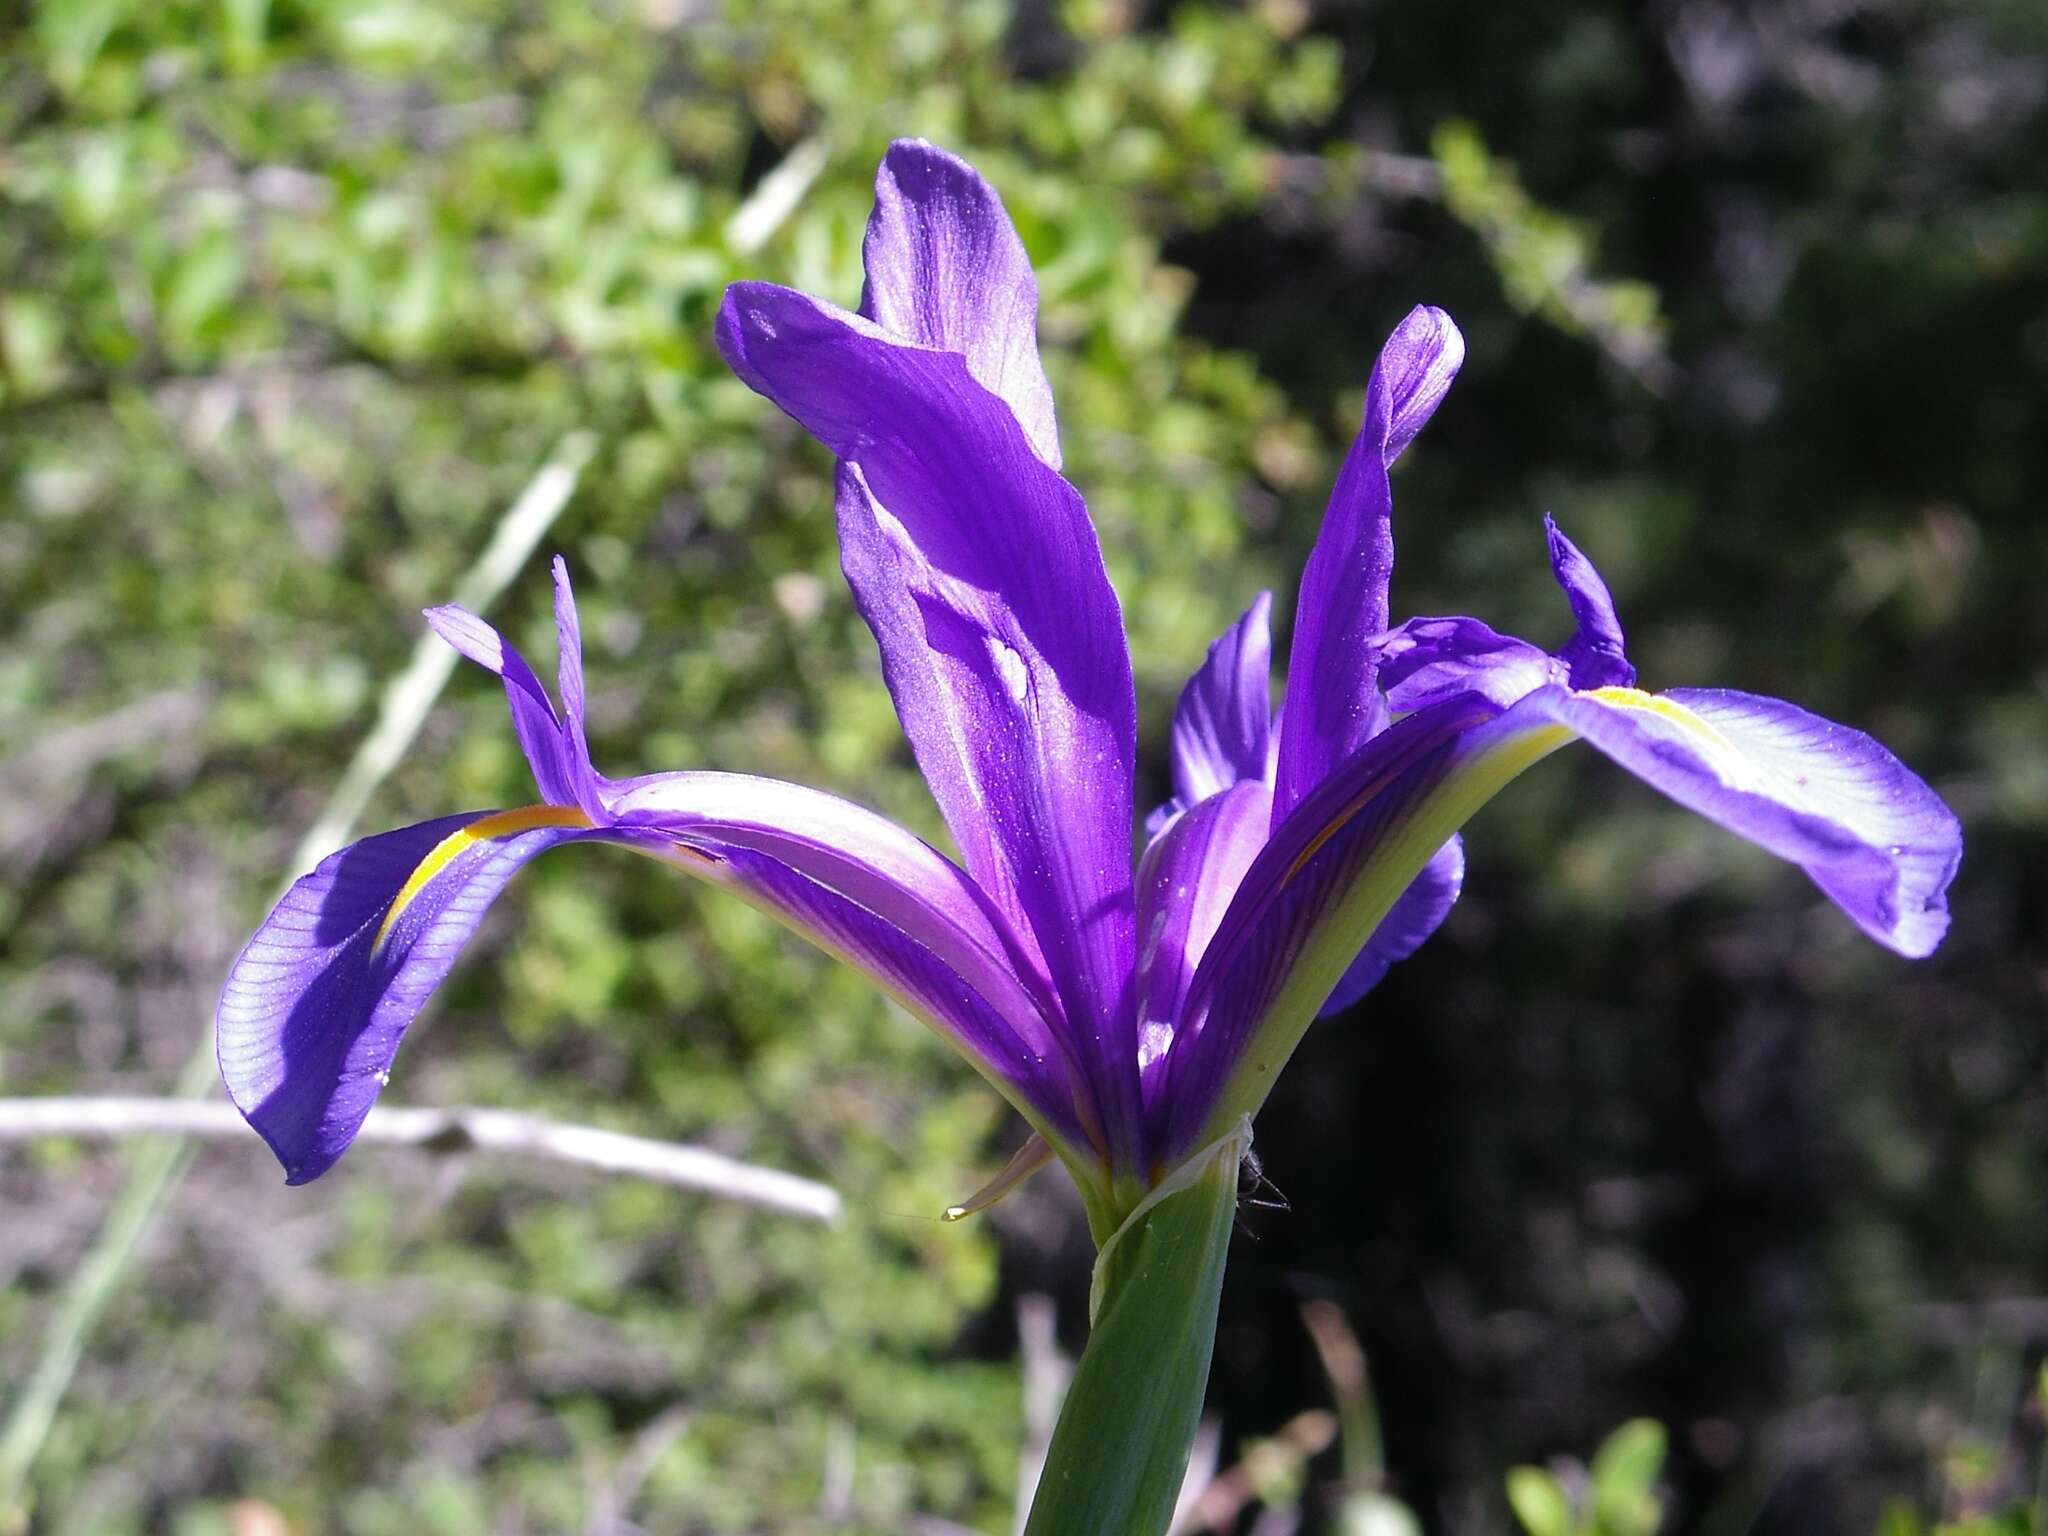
[[497, 824], [1722, 755]]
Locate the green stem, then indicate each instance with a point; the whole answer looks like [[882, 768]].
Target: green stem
[[1120, 1448]]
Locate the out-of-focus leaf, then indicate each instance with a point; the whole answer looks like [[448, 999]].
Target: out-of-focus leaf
[[1623, 1479], [1539, 1502]]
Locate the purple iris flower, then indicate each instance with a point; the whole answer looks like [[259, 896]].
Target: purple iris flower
[[1131, 1017]]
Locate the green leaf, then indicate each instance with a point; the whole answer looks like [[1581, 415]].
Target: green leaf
[[31, 344], [1120, 1448], [1539, 1502], [1624, 1479]]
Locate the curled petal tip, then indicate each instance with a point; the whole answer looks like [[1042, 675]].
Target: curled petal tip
[[1417, 366], [1426, 324], [1596, 655], [746, 319], [918, 153], [469, 635]]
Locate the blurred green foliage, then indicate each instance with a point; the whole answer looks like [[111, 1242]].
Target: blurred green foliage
[[295, 298], [1616, 1493]]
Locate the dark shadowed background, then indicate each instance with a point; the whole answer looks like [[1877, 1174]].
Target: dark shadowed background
[[295, 300]]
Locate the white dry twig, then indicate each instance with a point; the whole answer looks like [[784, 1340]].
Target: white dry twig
[[445, 1130], [755, 221]]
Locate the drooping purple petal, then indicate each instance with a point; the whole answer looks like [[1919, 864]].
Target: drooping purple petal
[[1333, 702], [1222, 727], [556, 772], [1032, 1076], [1002, 642], [1873, 837], [1427, 661], [1594, 655], [1418, 913], [318, 1000], [946, 270], [315, 1007], [869, 860], [1870, 833], [1184, 887]]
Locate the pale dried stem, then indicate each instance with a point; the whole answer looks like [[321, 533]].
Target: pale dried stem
[[444, 1130]]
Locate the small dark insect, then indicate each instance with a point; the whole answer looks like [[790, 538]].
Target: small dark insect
[[1256, 1192]]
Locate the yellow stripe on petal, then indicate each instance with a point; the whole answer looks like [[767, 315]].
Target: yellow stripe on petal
[[1722, 755], [483, 829]]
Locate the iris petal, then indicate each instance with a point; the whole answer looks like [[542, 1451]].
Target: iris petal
[[1332, 874], [589, 786], [869, 860], [1875, 839], [315, 1007], [1030, 1075], [555, 773], [1428, 661], [945, 269], [1222, 727], [318, 1000], [1333, 699], [1594, 655], [1870, 833], [1184, 887], [1002, 642], [1419, 912]]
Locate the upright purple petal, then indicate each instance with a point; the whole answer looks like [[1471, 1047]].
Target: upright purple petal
[[1032, 1076], [1324, 885], [946, 270], [1222, 727], [569, 682], [556, 772], [1333, 702], [1594, 654], [1184, 887], [1002, 642], [1333, 877], [1870, 833], [318, 1000], [1418, 913]]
